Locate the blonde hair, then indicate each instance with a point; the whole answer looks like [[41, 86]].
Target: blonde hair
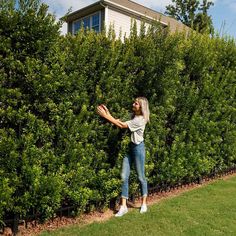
[[144, 107]]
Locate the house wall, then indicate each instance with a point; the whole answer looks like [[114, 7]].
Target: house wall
[[121, 23]]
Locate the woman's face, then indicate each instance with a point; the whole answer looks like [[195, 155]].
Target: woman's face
[[137, 108]]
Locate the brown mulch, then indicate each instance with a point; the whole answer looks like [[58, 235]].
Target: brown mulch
[[34, 228]]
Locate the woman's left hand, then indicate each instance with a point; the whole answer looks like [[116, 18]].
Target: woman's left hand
[[102, 110]]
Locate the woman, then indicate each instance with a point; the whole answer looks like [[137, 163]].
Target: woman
[[136, 152]]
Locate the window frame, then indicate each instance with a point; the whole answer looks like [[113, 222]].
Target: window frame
[[90, 16]]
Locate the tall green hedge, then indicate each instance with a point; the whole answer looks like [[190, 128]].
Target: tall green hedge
[[54, 149]]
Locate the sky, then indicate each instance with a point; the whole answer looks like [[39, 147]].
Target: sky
[[223, 12]]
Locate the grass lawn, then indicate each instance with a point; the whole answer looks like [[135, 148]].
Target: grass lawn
[[209, 210]]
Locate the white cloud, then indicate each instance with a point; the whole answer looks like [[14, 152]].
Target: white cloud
[[60, 7]]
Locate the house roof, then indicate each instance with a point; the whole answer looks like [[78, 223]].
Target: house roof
[[130, 7]]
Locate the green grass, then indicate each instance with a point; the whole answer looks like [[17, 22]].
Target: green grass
[[209, 210]]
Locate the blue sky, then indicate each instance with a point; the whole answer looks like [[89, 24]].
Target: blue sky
[[223, 12]]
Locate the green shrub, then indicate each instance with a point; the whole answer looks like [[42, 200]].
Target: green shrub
[[54, 149]]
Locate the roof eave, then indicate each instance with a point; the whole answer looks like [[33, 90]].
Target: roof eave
[[84, 11]]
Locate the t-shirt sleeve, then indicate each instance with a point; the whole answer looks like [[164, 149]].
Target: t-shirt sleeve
[[135, 124]]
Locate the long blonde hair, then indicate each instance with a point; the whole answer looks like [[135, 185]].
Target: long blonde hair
[[144, 107]]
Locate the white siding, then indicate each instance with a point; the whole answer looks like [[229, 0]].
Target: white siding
[[121, 23]]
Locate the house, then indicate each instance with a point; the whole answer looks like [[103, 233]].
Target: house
[[118, 14]]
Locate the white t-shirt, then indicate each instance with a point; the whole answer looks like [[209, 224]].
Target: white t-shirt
[[137, 127]]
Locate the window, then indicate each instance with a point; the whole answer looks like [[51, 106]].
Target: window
[[77, 26], [95, 22], [89, 22], [86, 22]]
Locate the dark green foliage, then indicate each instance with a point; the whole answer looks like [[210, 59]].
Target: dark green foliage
[[54, 149], [28, 78]]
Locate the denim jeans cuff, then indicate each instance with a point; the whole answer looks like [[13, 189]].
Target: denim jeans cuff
[[124, 197]]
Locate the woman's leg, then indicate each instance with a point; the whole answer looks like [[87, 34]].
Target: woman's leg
[[125, 178], [125, 186], [144, 200], [140, 168], [123, 201]]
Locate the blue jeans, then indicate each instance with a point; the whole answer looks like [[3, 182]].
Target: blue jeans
[[136, 154]]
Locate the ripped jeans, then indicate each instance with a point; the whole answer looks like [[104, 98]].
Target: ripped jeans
[[135, 155]]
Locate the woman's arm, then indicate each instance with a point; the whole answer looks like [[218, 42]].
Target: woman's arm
[[104, 112]]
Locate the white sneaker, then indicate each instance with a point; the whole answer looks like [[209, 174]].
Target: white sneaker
[[143, 208], [123, 210]]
